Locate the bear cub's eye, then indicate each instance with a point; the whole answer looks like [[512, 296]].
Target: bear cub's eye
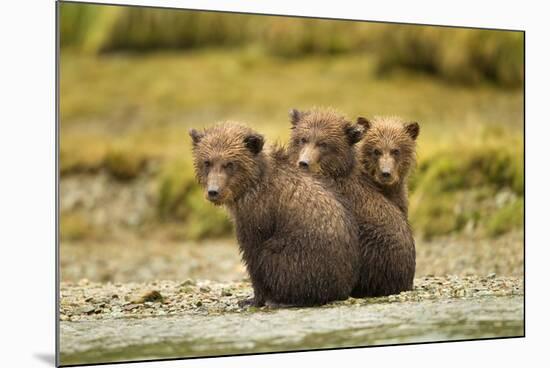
[[228, 166], [377, 152], [206, 163], [303, 140], [322, 145], [395, 152]]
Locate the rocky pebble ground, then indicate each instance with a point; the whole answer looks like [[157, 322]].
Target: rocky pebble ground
[[85, 300]]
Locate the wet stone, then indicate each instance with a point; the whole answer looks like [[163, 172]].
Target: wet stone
[[86, 309], [226, 293]]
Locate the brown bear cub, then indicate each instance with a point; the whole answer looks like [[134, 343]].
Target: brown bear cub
[[299, 243], [387, 153], [323, 143]]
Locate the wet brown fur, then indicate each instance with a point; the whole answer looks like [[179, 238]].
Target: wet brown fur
[[294, 252], [386, 241], [389, 144]]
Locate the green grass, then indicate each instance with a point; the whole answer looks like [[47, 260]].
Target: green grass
[[128, 113], [508, 217], [457, 187], [76, 226], [457, 55]]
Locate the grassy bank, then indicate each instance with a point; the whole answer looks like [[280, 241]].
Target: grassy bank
[[133, 118], [457, 55]]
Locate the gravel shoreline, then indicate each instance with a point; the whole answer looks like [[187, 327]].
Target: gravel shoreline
[[144, 260], [85, 300]]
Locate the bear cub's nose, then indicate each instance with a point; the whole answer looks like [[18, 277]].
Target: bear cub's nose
[[213, 193], [303, 164]]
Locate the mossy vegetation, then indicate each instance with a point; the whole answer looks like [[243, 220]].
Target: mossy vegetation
[[464, 185], [508, 217], [123, 165], [76, 226], [458, 55]]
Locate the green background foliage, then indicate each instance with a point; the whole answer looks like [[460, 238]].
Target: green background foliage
[[133, 80], [459, 55]]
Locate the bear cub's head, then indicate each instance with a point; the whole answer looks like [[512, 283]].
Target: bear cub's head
[[322, 141], [228, 161], [388, 149]]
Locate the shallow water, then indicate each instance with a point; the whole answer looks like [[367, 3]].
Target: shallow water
[[291, 329]]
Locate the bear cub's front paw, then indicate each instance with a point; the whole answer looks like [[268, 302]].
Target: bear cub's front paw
[[251, 302]]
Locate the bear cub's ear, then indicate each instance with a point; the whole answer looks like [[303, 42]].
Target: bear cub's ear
[[364, 123], [412, 129], [254, 143], [295, 116], [354, 133], [195, 136]]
